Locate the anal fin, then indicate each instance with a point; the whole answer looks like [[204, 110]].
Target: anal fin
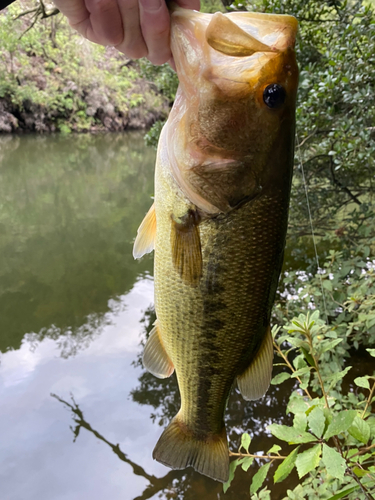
[[155, 359], [255, 380], [145, 240], [186, 247]]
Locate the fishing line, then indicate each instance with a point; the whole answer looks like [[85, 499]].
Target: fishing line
[[299, 155]]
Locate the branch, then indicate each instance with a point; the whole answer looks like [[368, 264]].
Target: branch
[[307, 20], [156, 484], [341, 186], [269, 457]]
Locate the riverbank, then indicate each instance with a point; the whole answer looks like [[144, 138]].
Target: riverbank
[[100, 115], [53, 80]]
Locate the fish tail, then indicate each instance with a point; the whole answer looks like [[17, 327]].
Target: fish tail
[[178, 447]]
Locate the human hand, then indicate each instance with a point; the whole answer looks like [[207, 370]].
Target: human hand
[[138, 28]]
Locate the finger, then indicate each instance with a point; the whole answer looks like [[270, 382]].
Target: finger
[[155, 24], [133, 44], [105, 22], [74, 10], [189, 4]]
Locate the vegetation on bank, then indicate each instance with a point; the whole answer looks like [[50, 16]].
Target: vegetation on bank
[[52, 79]]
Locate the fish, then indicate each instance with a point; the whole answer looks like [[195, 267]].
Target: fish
[[218, 222]]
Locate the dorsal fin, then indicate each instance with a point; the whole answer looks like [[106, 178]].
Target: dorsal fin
[[145, 240], [225, 36]]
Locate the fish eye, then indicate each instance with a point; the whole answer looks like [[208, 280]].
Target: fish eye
[[274, 95]]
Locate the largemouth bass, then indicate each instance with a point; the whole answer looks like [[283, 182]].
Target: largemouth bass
[[219, 220]]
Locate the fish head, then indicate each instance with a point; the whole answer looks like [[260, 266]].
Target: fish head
[[238, 83]]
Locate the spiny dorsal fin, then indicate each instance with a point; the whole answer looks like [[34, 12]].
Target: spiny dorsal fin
[[186, 247], [145, 240], [255, 380], [155, 359], [178, 448], [225, 36]]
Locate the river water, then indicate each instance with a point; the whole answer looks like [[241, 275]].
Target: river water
[[79, 416]]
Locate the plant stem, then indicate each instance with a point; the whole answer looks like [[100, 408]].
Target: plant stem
[[243, 455], [309, 338], [369, 400], [365, 491], [364, 450], [279, 351]]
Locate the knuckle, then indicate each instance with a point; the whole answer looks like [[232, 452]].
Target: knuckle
[[100, 5]]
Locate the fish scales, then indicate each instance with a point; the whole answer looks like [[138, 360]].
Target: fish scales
[[226, 309], [218, 223]]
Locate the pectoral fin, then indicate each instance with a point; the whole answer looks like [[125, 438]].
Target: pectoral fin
[[254, 382], [155, 359], [225, 36], [186, 247], [145, 240]]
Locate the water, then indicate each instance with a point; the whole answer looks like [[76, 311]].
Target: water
[[79, 416]]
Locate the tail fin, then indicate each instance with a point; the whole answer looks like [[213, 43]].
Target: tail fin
[[178, 448]]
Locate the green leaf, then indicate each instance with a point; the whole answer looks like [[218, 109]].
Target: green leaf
[[296, 404], [275, 449], [290, 434], [247, 463], [328, 346], [371, 351], [360, 430], [344, 493], [326, 283], [360, 472], [308, 460], [258, 478], [362, 382], [308, 357], [317, 421], [279, 378], [232, 470], [340, 423], [335, 377], [286, 466], [334, 462], [245, 441], [300, 422], [301, 371]]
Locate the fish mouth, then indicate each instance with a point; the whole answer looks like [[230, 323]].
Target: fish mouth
[[235, 46], [241, 34]]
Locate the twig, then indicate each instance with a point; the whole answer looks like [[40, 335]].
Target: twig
[[369, 399], [269, 457], [290, 366], [364, 450]]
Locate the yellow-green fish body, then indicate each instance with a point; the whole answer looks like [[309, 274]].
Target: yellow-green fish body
[[218, 224]]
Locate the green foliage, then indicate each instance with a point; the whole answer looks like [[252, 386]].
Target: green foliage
[[52, 71], [336, 428]]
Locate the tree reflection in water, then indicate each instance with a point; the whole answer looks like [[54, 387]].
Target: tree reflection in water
[[163, 396]]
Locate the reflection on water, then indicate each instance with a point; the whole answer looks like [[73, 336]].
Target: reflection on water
[[70, 207], [74, 308]]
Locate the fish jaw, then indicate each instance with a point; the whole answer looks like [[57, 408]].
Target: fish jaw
[[220, 122]]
